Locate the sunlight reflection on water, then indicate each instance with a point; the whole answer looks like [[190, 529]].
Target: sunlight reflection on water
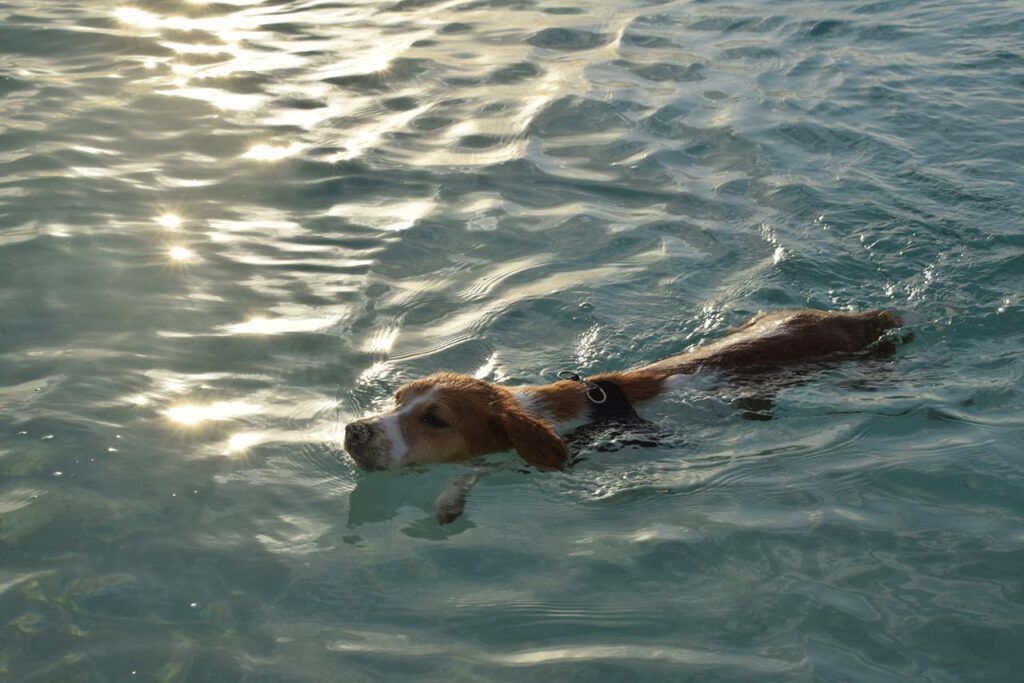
[[191, 414]]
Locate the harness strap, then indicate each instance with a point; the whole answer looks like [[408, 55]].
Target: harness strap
[[610, 402], [617, 406]]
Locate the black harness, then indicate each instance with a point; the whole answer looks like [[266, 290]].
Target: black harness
[[613, 420], [607, 399]]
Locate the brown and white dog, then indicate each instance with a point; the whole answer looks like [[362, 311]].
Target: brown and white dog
[[450, 417]]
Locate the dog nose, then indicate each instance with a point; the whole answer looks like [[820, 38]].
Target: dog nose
[[356, 434]]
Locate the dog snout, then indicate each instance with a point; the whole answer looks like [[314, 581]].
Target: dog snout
[[357, 434]]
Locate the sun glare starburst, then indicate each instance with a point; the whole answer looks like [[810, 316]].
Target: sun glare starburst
[[180, 254], [243, 441], [190, 414], [137, 17], [171, 221]]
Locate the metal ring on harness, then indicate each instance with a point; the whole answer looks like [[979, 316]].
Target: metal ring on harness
[[593, 390]]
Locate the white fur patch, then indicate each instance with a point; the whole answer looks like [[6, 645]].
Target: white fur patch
[[419, 400], [398, 448], [531, 404]]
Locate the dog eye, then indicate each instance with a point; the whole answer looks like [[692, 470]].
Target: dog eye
[[432, 420]]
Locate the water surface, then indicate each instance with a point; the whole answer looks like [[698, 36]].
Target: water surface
[[228, 228]]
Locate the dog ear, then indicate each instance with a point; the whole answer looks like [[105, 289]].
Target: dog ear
[[535, 440]]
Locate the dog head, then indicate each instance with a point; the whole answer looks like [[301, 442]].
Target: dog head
[[449, 417]]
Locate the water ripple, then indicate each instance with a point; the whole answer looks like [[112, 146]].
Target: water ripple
[[227, 228]]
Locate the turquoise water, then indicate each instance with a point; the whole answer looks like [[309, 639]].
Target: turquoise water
[[228, 228]]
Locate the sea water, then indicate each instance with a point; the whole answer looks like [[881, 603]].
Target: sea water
[[229, 227]]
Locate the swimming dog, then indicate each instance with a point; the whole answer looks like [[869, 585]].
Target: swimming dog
[[450, 417]]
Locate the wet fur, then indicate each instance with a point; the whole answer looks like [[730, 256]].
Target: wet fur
[[481, 417]]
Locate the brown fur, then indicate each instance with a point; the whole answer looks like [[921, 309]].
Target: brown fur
[[768, 340], [562, 400], [534, 440], [484, 418], [481, 417]]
